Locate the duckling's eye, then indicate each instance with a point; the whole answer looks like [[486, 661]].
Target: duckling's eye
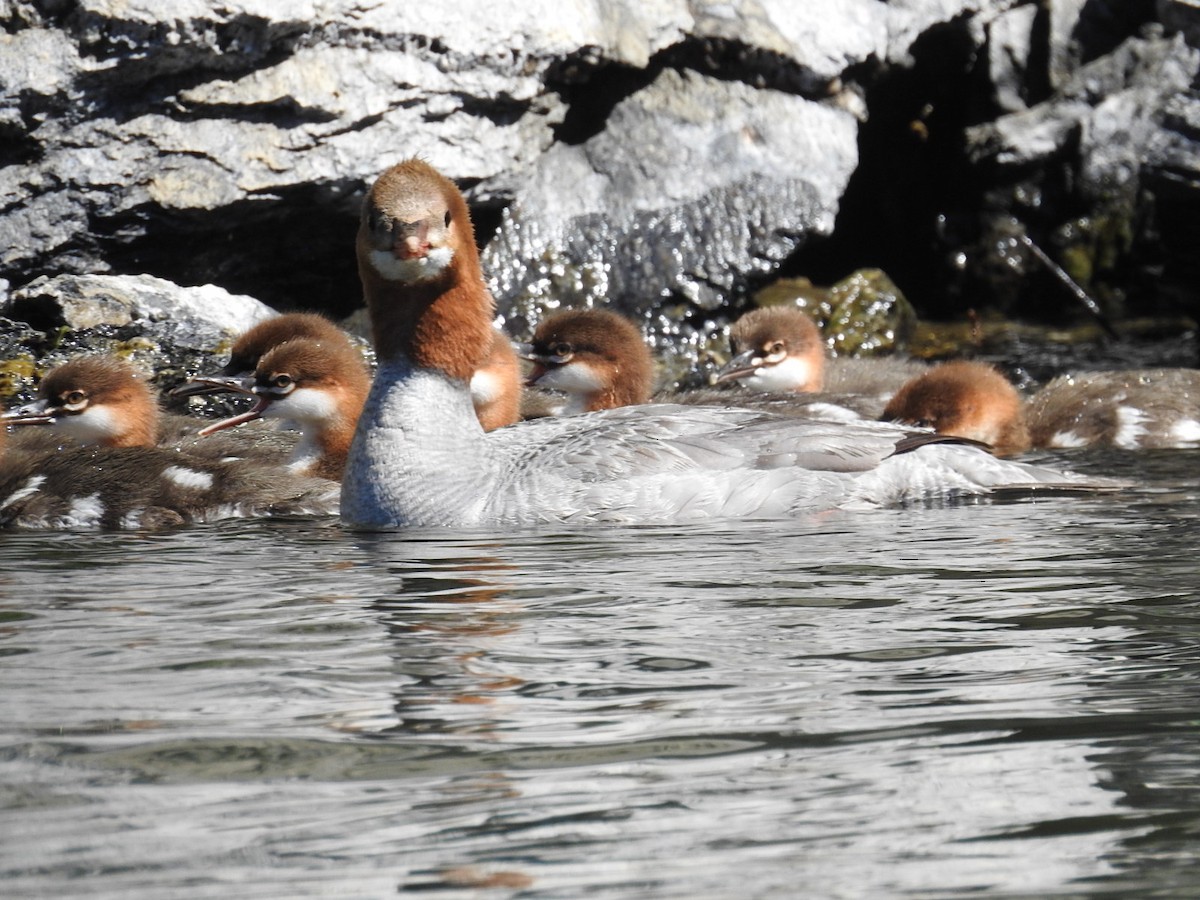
[[447, 223], [776, 347], [74, 398], [282, 381]]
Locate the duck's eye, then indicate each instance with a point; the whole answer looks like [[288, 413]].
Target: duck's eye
[[447, 222], [74, 398], [776, 347], [282, 381]]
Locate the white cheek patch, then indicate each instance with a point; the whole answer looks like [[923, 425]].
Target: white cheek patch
[[188, 478], [94, 425], [303, 406], [573, 378], [789, 375], [429, 266]]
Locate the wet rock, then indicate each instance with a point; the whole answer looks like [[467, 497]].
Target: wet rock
[[864, 314], [695, 186], [171, 332], [230, 143], [200, 316], [1106, 135]]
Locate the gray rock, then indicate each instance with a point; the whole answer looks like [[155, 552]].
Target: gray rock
[[664, 156], [201, 317], [695, 186], [231, 142]]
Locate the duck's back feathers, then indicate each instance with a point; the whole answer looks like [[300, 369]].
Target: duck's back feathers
[[146, 487]]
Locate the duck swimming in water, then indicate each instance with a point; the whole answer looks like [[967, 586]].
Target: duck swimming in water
[[319, 386], [419, 456], [106, 466]]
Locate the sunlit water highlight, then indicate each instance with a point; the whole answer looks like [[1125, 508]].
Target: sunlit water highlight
[[995, 700]]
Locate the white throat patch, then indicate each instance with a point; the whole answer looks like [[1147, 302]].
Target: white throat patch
[[411, 270], [94, 425], [785, 376]]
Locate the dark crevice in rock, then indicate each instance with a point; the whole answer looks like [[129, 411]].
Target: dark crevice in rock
[[951, 232], [284, 113], [911, 176], [1104, 24], [292, 251], [592, 90], [502, 110]]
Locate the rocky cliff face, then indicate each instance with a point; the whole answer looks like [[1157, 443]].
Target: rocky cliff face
[[664, 156]]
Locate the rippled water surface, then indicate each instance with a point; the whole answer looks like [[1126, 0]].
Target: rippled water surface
[[988, 700]]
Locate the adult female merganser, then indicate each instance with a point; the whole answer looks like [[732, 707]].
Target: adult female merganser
[[320, 386], [779, 349], [110, 474], [419, 456], [1150, 409], [964, 398], [596, 357]]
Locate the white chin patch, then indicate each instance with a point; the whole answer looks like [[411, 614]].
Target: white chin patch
[[789, 375], [573, 378], [94, 425], [429, 266], [304, 406]]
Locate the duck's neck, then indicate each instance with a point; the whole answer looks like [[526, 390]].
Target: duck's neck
[[443, 324], [419, 455], [322, 452]]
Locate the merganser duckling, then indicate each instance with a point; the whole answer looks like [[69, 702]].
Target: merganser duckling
[[964, 398], [1151, 409], [255, 342], [103, 401], [118, 478], [776, 348], [596, 357], [95, 401], [320, 386], [780, 350], [420, 457], [496, 385], [146, 488]]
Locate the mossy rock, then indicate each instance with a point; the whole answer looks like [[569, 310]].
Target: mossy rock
[[864, 314]]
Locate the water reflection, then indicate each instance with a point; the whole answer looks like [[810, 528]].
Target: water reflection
[[995, 699]]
